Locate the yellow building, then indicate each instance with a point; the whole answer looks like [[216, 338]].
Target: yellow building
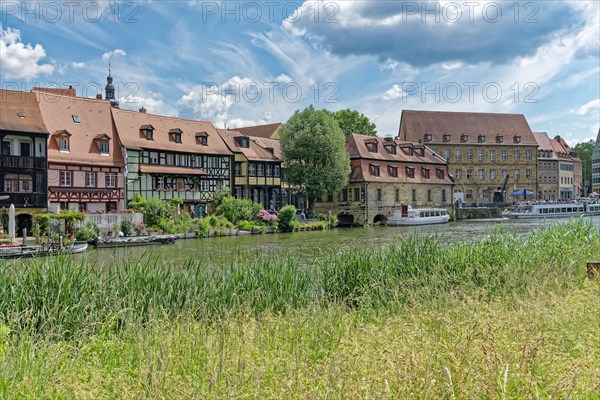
[[482, 149], [256, 170]]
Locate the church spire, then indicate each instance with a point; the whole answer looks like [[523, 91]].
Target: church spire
[[110, 89]]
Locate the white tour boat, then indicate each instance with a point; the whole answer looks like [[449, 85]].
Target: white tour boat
[[408, 216], [553, 210]]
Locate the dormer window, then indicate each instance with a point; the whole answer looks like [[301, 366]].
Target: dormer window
[[517, 139], [21, 114], [176, 134], [440, 173], [62, 138], [481, 138], [374, 170], [147, 131], [464, 138], [428, 137], [391, 148], [102, 143], [76, 119], [447, 137], [270, 150], [408, 150], [243, 141], [499, 139], [63, 144], [202, 138], [420, 151], [372, 146]]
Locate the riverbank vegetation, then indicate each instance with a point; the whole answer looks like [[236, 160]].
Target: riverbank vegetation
[[506, 316]]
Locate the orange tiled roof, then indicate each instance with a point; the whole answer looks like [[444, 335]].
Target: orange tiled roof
[[268, 131], [270, 143], [59, 113], [254, 152], [129, 126], [545, 144], [12, 103], [356, 146]]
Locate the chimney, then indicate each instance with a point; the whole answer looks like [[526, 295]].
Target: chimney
[[98, 96], [143, 110]]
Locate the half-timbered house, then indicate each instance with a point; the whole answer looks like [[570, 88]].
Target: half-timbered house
[[85, 164], [171, 158]]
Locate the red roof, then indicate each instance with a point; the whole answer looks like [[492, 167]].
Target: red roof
[[269, 131], [20, 112]]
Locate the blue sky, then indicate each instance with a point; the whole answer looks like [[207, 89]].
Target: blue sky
[[244, 63]]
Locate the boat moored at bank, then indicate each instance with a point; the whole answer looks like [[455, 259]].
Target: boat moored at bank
[[408, 216], [553, 210]]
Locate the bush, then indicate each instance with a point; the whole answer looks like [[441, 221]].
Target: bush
[[85, 234], [127, 227], [202, 227], [236, 210], [287, 220]]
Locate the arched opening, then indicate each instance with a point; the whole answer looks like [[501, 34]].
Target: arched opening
[[380, 220], [345, 220], [23, 221]]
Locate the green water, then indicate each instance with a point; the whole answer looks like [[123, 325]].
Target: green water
[[307, 247]]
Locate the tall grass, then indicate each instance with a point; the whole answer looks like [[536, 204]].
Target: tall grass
[[61, 298]]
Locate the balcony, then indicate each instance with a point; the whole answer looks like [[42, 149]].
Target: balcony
[[21, 200], [24, 162]]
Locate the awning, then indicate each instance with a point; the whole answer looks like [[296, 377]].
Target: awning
[[170, 170], [522, 192]]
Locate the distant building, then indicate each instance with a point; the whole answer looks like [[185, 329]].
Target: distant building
[[86, 166], [548, 168], [268, 131], [23, 158], [481, 149], [570, 167], [386, 174], [596, 166], [171, 158], [256, 171]]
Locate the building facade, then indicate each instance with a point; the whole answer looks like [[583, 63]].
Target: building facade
[[23, 158], [548, 169], [171, 158], [570, 169], [85, 163], [385, 175], [256, 170], [596, 166], [482, 149]]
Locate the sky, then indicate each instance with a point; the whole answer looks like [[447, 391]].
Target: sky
[[245, 63]]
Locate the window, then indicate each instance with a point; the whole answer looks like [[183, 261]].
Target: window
[[428, 137], [517, 154], [170, 159], [492, 174], [414, 195], [379, 195], [111, 180], [492, 155], [184, 160], [372, 147], [528, 155], [504, 155], [499, 139], [464, 138], [276, 170], [425, 173], [504, 173], [517, 174], [469, 174], [458, 154], [446, 154], [481, 174], [18, 183], [237, 169], [444, 195], [481, 138], [391, 148], [177, 137], [356, 194], [458, 174], [408, 150], [428, 194], [260, 170], [447, 137], [528, 173], [252, 169], [269, 170], [21, 114], [90, 179], [103, 147], [148, 132], [393, 172], [25, 149], [410, 172], [469, 154], [440, 173], [63, 144], [469, 194], [159, 182], [344, 195], [153, 157], [203, 140], [397, 194], [374, 169], [517, 139], [76, 118], [480, 155], [65, 178]]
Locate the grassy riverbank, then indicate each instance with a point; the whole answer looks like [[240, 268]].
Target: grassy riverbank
[[504, 317]]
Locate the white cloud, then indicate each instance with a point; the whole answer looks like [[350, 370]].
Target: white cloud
[[110, 54], [393, 93], [77, 65], [19, 60], [589, 107], [283, 78], [151, 101]]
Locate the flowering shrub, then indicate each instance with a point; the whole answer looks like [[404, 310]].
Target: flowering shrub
[[267, 217]]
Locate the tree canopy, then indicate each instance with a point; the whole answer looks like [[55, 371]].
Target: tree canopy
[[351, 121], [314, 153], [584, 151]]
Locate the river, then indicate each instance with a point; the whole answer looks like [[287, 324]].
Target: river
[[308, 246]]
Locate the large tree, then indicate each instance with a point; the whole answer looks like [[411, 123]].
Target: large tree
[[351, 121], [585, 151], [314, 153]]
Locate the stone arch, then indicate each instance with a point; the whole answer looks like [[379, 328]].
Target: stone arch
[[380, 218], [345, 219]]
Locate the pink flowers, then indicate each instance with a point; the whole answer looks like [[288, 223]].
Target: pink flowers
[[266, 216]]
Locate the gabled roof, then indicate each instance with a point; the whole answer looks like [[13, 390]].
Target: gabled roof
[[268, 131], [414, 125], [129, 125], [545, 144], [254, 152], [356, 146], [95, 119], [270, 143], [12, 104]]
